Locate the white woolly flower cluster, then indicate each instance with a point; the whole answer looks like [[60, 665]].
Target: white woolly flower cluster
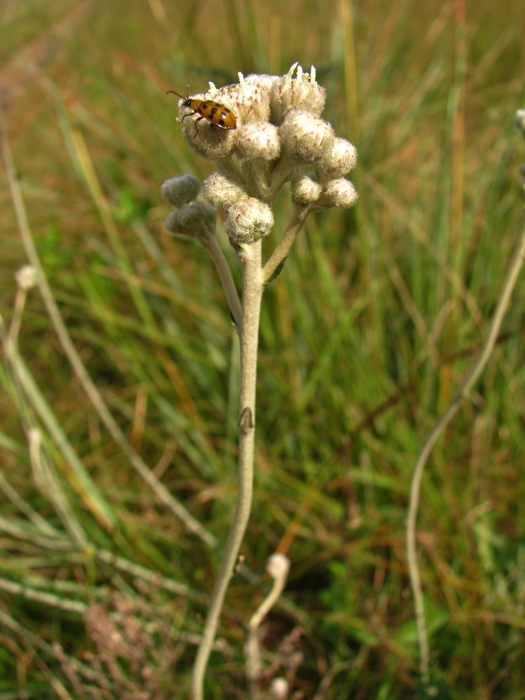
[[263, 132]]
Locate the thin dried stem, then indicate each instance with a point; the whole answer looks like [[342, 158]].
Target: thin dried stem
[[278, 567], [442, 422]]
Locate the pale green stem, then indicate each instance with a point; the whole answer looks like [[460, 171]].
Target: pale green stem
[[440, 425], [219, 259], [281, 172], [228, 165], [281, 251], [255, 174], [253, 287]]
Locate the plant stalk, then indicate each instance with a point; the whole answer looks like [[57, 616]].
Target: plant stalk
[[252, 291], [415, 488]]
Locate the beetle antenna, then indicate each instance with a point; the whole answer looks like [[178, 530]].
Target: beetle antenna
[[188, 83], [172, 92]]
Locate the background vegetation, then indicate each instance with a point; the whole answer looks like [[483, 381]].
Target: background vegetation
[[365, 335]]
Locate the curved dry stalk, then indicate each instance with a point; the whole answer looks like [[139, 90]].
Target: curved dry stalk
[[442, 422], [278, 567]]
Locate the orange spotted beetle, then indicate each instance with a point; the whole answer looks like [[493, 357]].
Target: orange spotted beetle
[[215, 113]]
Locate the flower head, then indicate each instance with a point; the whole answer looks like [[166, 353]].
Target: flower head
[[302, 93], [248, 220], [222, 190], [305, 137], [337, 193], [195, 219], [180, 190], [338, 159], [259, 140]]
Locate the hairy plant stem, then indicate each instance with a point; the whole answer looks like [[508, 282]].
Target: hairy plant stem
[[223, 269], [252, 290]]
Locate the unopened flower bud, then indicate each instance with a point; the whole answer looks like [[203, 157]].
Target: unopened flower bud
[[278, 566], [305, 137], [248, 221], [221, 190], [195, 219], [26, 277], [259, 140], [305, 190], [180, 190], [338, 160], [337, 193], [279, 688]]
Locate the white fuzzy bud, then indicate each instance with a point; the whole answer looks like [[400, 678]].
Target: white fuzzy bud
[[248, 221], [180, 190], [259, 140], [26, 277], [337, 193], [302, 93], [338, 160], [222, 191], [278, 566], [305, 137], [195, 219], [305, 190], [279, 688]]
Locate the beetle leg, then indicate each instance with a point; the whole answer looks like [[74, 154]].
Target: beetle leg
[[196, 129]]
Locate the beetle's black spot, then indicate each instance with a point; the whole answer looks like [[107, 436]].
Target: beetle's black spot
[[213, 110], [221, 122]]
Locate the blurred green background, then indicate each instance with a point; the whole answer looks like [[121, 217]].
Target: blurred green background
[[366, 334]]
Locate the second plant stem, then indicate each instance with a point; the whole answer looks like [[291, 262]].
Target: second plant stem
[[252, 291]]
